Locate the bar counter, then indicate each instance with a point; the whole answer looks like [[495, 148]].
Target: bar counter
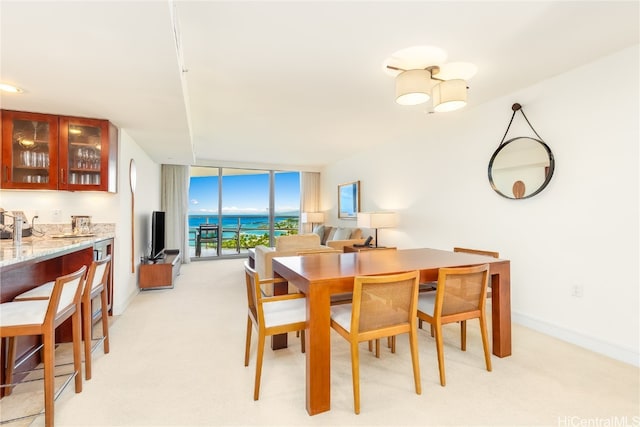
[[43, 248]]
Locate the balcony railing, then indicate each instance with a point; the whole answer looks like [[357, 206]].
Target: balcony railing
[[238, 239]]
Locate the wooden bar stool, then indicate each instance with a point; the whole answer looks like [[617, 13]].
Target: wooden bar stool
[[95, 285], [42, 317]]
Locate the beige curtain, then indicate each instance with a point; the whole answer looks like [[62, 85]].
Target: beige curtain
[[175, 202], [309, 196]]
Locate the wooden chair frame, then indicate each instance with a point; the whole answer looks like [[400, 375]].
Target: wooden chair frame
[[54, 317], [354, 336], [256, 318], [95, 285], [429, 288], [437, 319]]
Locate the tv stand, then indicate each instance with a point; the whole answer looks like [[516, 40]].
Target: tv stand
[[160, 273]]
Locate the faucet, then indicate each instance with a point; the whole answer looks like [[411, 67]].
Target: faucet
[[16, 230]]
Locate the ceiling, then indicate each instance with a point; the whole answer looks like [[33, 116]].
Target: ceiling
[[281, 84]]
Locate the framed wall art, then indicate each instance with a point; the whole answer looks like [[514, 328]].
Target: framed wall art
[[349, 200]]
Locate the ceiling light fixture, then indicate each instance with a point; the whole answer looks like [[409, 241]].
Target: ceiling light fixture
[[421, 75], [449, 95]]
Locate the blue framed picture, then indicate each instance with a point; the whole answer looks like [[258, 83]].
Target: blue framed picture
[[349, 200]]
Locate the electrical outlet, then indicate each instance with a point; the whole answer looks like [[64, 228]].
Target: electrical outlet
[[577, 291], [56, 215]]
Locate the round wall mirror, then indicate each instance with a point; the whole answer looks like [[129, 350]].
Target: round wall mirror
[[521, 168]]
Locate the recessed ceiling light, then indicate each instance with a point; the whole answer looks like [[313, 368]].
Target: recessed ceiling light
[[5, 87]]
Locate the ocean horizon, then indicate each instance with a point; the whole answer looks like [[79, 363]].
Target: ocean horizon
[[248, 224]]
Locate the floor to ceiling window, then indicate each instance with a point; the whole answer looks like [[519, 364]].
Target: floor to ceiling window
[[232, 210]]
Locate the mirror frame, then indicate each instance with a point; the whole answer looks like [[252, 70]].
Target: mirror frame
[[547, 178], [349, 200]]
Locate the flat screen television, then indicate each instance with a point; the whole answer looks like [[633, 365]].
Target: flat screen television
[[157, 235]]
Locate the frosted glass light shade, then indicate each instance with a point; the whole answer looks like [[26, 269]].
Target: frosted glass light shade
[[377, 219], [312, 217], [449, 95], [413, 87]]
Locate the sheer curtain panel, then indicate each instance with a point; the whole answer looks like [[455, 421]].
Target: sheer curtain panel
[[309, 196], [175, 202]]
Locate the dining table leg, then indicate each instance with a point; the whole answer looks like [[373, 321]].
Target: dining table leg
[[318, 352], [501, 309]]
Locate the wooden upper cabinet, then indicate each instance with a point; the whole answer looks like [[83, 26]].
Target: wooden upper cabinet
[[86, 153], [68, 153], [29, 150]]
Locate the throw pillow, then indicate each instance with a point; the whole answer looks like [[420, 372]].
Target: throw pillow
[[328, 235], [342, 234], [319, 230], [356, 234]]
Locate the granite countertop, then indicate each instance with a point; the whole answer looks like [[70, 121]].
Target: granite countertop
[[33, 248]]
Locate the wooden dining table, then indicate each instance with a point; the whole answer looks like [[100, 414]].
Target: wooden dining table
[[320, 276]]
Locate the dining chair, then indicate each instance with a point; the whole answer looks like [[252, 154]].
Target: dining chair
[[479, 252], [383, 306], [460, 296], [42, 317], [95, 285], [431, 286], [270, 316]]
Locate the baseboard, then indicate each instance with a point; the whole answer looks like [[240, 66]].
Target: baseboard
[[626, 355]]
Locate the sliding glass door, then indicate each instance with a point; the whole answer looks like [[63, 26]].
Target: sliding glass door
[[240, 209]]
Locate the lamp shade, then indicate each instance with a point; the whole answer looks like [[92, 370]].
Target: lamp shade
[[413, 87], [377, 219], [312, 217], [449, 95]]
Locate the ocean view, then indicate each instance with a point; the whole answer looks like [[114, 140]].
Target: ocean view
[[249, 224]]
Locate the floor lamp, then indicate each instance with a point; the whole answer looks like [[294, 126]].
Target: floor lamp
[[377, 220]]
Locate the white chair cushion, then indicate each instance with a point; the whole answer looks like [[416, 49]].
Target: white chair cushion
[[97, 277], [427, 302], [23, 313], [44, 291], [341, 314], [40, 292], [278, 313]]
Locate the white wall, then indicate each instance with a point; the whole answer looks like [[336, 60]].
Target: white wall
[[103, 208], [582, 230], [147, 199]]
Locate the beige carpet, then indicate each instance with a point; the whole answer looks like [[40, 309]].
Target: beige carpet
[[177, 360]]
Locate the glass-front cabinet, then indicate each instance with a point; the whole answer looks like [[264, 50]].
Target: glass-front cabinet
[[83, 161], [41, 151], [29, 150]]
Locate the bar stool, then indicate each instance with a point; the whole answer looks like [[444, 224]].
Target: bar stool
[[42, 317], [96, 284]]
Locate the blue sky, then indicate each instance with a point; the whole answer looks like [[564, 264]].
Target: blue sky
[[244, 194]]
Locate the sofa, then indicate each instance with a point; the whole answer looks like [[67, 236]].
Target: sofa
[[339, 237], [297, 244]]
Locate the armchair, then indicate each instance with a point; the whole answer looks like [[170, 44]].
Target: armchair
[[292, 245]]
